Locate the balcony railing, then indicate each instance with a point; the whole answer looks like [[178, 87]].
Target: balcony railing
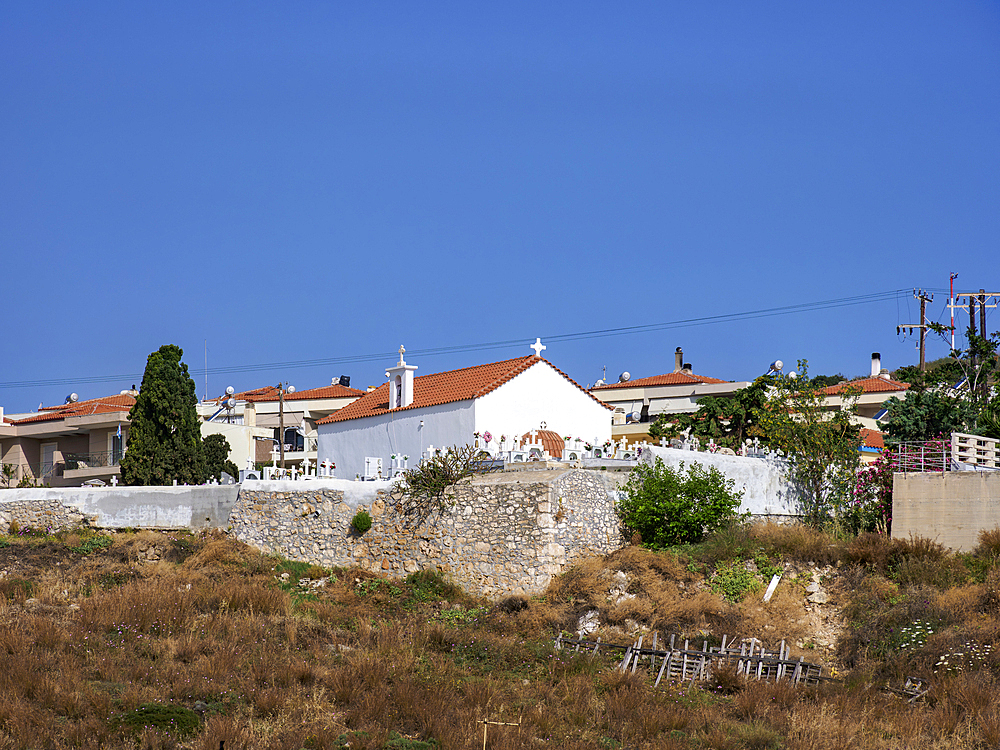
[[91, 460]]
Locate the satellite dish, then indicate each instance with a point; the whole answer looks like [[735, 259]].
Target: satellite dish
[[623, 378], [290, 389], [599, 382], [777, 365], [230, 390]]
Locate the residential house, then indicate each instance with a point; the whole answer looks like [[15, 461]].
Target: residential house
[[70, 444], [253, 421], [408, 415], [638, 402], [869, 394]]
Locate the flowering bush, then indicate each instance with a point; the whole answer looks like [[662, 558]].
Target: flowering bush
[[870, 506]]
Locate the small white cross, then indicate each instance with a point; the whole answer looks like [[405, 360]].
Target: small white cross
[[538, 346], [401, 352]]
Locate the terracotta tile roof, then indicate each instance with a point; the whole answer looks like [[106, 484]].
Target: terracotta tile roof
[[671, 378], [107, 405], [866, 385], [326, 391], [551, 442], [872, 438], [445, 388]]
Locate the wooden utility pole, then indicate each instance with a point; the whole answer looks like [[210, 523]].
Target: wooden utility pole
[[924, 298], [982, 311]]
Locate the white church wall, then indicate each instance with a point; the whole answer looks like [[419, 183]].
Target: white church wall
[[541, 394], [348, 443]]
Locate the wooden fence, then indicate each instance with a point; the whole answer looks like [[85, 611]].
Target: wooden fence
[[690, 663]]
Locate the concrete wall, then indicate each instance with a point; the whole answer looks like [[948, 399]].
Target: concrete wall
[[766, 490], [951, 507], [498, 534], [206, 506]]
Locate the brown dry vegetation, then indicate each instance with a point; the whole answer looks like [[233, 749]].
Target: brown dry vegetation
[[92, 630]]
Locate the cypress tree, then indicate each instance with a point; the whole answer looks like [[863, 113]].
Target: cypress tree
[[164, 440]]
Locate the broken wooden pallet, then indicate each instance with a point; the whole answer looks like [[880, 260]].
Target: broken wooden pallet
[[689, 663]]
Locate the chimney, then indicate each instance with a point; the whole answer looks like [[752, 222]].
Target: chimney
[[686, 368], [884, 374], [876, 364], [678, 360]]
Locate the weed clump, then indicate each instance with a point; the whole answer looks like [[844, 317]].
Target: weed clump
[[177, 720]]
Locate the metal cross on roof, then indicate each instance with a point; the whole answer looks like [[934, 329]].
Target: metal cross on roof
[[538, 346]]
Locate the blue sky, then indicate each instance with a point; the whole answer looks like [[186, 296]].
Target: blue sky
[[316, 182]]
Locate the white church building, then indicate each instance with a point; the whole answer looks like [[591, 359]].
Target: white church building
[[485, 404]]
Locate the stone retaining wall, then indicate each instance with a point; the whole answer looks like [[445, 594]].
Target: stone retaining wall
[[495, 535], [46, 515]]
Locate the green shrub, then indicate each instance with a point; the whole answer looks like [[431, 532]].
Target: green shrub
[[361, 522], [177, 720], [734, 581], [669, 506]]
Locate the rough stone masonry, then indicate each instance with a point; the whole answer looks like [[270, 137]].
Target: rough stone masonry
[[498, 534]]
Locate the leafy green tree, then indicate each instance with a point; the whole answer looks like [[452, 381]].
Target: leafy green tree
[[164, 440], [824, 381], [216, 449], [822, 444], [670, 506], [925, 415], [728, 420], [940, 372]]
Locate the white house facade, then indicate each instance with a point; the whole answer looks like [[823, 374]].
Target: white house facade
[[411, 414]]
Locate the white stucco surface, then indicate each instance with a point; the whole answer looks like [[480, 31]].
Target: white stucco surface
[[766, 491], [348, 443], [542, 394], [140, 507]]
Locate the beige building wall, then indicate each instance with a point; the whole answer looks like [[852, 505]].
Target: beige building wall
[[950, 507]]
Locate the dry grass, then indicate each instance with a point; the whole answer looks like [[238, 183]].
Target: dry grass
[[211, 626]]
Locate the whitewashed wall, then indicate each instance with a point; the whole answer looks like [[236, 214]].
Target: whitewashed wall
[[766, 489], [348, 443], [541, 394]]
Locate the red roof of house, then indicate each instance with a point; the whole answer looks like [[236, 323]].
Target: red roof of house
[[106, 405], [872, 438], [866, 385], [445, 388], [326, 391], [671, 378]]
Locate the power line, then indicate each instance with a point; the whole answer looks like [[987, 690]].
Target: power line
[[860, 299]]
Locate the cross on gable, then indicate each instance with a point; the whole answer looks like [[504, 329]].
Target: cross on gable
[[538, 346], [402, 351]]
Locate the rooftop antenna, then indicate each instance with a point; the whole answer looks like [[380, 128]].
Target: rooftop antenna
[[206, 369]]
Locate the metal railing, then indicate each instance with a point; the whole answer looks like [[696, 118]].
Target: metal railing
[[91, 460], [929, 455]]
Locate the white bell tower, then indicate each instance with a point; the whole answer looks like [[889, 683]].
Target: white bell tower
[[400, 382]]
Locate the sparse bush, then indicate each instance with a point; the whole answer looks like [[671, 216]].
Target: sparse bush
[[672, 506]]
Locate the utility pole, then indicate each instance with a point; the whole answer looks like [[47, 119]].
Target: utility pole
[[924, 298], [951, 305], [982, 312]]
